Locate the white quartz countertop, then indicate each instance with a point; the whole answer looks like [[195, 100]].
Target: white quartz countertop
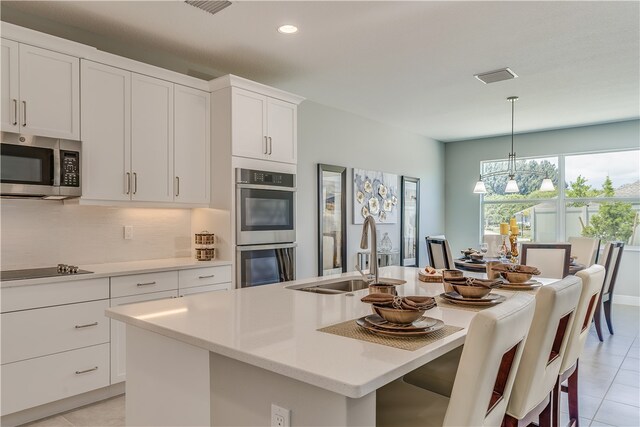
[[275, 328], [120, 269]]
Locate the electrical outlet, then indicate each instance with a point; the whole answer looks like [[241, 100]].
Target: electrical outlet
[[128, 232], [280, 417]]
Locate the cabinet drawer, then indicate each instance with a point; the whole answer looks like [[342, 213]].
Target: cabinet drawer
[[25, 297], [204, 276], [202, 289], [34, 333], [45, 379], [143, 283]]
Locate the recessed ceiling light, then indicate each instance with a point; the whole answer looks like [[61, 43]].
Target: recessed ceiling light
[[288, 29]]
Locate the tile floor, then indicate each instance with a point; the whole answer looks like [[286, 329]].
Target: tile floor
[[609, 383]]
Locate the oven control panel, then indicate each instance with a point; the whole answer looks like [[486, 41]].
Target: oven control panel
[[69, 168], [256, 177]]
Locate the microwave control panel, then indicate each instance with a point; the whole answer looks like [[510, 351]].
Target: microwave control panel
[[69, 168], [256, 177]]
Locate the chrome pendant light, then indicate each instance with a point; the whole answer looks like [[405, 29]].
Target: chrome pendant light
[[512, 185]]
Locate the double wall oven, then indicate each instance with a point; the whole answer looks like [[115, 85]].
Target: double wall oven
[[265, 227]]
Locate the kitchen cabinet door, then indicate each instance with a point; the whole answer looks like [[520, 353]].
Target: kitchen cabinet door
[[151, 139], [118, 333], [192, 145], [9, 97], [49, 93], [282, 130], [249, 124], [106, 132]]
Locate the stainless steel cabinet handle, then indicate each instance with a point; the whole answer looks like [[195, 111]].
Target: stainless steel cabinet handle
[[128, 183], [24, 111], [146, 284], [266, 145], [87, 325], [270, 146], [135, 183], [15, 112], [177, 186], [95, 368], [207, 277]]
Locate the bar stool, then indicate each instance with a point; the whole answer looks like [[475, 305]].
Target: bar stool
[[543, 353], [592, 279], [484, 379]]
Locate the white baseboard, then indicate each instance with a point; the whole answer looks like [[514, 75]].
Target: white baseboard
[[626, 300]]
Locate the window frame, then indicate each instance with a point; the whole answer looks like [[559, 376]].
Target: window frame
[[561, 200]]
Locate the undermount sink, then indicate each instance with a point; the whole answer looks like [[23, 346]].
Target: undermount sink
[[341, 286]]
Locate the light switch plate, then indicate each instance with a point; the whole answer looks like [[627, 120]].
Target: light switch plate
[[128, 232]]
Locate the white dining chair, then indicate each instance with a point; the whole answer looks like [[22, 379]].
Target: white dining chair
[[585, 249], [484, 379], [439, 252], [592, 279], [552, 259], [543, 353]]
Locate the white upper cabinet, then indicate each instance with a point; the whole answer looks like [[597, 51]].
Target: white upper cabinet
[[106, 132], [144, 139], [151, 139], [282, 123], [249, 124], [191, 145], [10, 86], [263, 127], [40, 91], [49, 93]]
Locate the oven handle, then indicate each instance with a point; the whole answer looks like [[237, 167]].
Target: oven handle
[[259, 247], [265, 187]]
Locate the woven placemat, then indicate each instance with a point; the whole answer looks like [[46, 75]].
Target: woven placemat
[[350, 329]]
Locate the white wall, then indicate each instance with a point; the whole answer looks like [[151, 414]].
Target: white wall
[[462, 165], [330, 136], [38, 233]]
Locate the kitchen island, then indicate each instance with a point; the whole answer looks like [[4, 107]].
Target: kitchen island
[[224, 358]]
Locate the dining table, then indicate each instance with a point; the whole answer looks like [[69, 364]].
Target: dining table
[[480, 266]]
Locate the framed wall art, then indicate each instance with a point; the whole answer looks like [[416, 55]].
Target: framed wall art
[[375, 193]]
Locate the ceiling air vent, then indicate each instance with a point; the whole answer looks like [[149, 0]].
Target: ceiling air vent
[[496, 76], [211, 7]]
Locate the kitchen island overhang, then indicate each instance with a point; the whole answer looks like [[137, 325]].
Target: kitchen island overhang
[[214, 340]]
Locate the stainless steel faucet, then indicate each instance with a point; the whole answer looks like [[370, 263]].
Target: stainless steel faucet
[[370, 223]]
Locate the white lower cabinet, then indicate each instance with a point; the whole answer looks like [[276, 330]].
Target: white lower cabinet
[[41, 380], [146, 283], [204, 276], [203, 289], [34, 333], [56, 341], [118, 334]]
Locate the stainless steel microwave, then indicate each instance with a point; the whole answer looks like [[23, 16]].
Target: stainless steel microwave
[[39, 167]]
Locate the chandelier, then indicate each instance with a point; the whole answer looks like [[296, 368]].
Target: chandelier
[[512, 185]]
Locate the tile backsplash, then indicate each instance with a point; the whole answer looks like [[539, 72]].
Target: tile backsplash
[[39, 233]]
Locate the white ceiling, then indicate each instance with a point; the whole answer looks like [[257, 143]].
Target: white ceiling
[[407, 64]]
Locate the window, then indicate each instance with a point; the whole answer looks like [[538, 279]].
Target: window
[[600, 197], [603, 196], [536, 217]]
